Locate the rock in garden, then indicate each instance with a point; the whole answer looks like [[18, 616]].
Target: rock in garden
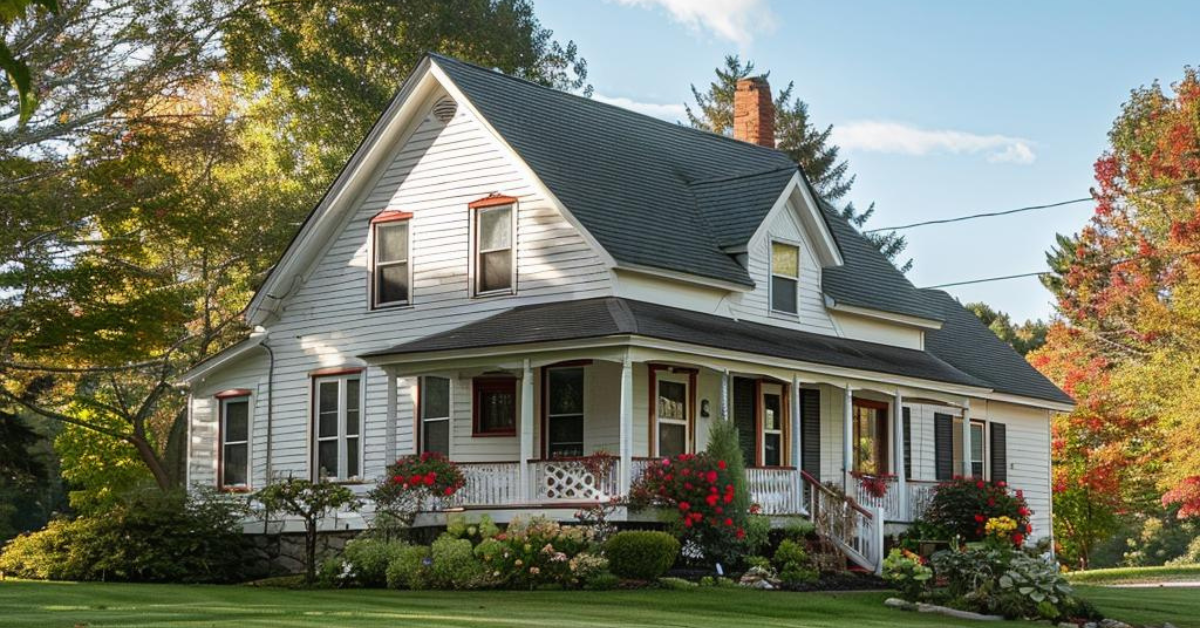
[[1113, 623]]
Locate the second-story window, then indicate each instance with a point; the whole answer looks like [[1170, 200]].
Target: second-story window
[[494, 249], [785, 277], [391, 272]]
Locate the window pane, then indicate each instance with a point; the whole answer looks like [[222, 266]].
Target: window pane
[[772, 450], [436, 435], [352, 413], [234, 465], [391, 242], [566, 435], [237, 420], [435, 397], [495, 271], [497, 410], [566, 391], [672, 438], [783, 295], [772, 413], [865, 439], [351, 457], [785, 260], [391, 283], [327, 459], [672, 400], [495, 228], [327, 419]]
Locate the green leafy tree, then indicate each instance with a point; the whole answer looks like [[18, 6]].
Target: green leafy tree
[[800, 138], [311, 502], [1024, 338], [16, 69]]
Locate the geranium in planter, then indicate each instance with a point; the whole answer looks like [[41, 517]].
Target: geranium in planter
[[875, 485], [409, 483]]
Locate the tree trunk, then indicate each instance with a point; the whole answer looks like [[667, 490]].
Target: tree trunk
[[310, 551], [150, 457]]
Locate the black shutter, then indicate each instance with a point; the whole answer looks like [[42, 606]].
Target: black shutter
[[744, 403], [943, 445], [907, 414], [999, 447], [810, 431]]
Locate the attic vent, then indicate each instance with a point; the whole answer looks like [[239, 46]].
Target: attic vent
[[444, 110]]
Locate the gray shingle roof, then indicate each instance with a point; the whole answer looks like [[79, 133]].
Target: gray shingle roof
[[970, 346], [611, 316], [627, 177]]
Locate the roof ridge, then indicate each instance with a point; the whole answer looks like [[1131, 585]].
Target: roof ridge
[[660, 121], [742, 175]]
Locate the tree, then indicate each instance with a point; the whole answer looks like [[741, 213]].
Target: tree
[[798, 137], [1023, 338], [17, 71], [312, 502]]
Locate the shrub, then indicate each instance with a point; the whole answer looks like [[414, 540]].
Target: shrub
[[677, 584], [603, 580], [640, 554], [458, 527], [144, 537], [963, 506], [410, 569], [1005, 581], [454, 566], [541, 552], [311, 502], [364, 562], [407, 485], [793, 563], [908, 573], [799, 530]]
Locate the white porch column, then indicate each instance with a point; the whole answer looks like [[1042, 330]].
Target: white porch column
[[847, 437], [966, 439], [898, 438], [626, 425], [526, 429], [390, 447], [797, 442], [725, 395]]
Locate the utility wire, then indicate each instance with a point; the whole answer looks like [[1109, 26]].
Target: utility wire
[[1048, 272], [974, 281], [1006, 212]]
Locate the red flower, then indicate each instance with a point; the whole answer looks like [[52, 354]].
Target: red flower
[[1023, 511], [721, 465], [430, 479], [449, 491], [979, 484], [1019, 538], [741, 534], [712, 500], [415, 479], [687, 471], [1002, 484], [728, 498], [687, 523], [720, 510], [980, 518], [729, 522], [399, 479], [684, 506], [687, 486], [711, 476]]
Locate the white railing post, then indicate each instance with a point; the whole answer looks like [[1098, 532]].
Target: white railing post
[[526, 448], [625, 479], [876, 532], [901, 474], [797, 443], [848, 438]]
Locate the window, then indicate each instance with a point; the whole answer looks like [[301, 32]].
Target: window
[[785, 277], [494, 249], [235, 440], [391, 276], [338, 426], [564, 412], [434, 398], [495, 406], [870, 437], [772, 426], [672, 411], [978, 447]]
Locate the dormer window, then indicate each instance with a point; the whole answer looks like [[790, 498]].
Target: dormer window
[[391, 271], [785, 277], [493, 248]]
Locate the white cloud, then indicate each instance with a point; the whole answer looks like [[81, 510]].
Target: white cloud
[[904, 139], [735, 20], [668, 112]]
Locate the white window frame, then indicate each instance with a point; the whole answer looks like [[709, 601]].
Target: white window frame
[[582, 414], [222, 405], [678, 378], [421, 399], [477, 253], [772, 274], [341, 437], [776, 390], [377, 265], [958, 447]]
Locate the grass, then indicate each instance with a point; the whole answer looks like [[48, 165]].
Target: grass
[[24, 603], [1130, 575]]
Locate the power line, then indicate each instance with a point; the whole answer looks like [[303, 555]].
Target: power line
[[1006, 212], [1107, 264], [973, 281]]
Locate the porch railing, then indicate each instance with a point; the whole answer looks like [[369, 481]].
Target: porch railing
[[589, 479], [919, 494], [853, 528], [774, 490]]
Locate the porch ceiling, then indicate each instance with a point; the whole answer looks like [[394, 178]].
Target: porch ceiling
[[611, 316]]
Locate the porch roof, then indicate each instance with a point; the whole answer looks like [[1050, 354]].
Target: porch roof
[[612, 316]]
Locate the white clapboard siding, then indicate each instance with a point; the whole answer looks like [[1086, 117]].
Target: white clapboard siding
[[756, 305], [325, 319], [1028, 436], [248, 372]]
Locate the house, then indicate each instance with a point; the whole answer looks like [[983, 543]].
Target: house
[[518, 277]]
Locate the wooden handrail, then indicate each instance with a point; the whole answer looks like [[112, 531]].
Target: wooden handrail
[[808, 477]]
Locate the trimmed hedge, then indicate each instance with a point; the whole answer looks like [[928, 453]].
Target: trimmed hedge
[[641, 555]]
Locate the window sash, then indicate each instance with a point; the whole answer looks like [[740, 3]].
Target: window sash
[[346, 452], [786, 304], [382, 263], [979, 448], [493, 386], [506, 212], [227, 444], [556, 446], [662, 420], [427, 419], [773, 435]]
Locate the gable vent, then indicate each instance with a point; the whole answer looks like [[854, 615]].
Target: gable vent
[[444, 110]]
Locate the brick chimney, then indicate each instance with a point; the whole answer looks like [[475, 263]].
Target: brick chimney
[[754, 112]]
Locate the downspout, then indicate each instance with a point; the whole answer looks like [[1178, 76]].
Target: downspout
[[270, 402]]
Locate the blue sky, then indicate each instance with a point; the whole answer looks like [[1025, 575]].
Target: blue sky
[[942, 108]]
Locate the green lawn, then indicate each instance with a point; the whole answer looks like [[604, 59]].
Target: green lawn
[[74, 605], [1121, 575]]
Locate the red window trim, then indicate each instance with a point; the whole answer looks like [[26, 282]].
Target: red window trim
[[544, 405], [390, 215], [335, 370], [232, 393], [492, 200], [652, 417], [491, 383]]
